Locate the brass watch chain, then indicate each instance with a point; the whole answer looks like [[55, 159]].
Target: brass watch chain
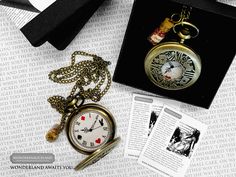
[[185, 13]]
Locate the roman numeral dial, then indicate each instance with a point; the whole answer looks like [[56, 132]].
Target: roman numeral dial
[[90, 129]]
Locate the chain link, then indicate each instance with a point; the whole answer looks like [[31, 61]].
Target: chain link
[[185, 13]]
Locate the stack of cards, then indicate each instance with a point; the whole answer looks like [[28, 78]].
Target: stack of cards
[[161, 137]]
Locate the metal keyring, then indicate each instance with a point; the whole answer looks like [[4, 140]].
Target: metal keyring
[[176, 16], [183, 36]]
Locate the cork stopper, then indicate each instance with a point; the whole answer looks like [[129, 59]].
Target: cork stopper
[[53, 133], [166, 25]]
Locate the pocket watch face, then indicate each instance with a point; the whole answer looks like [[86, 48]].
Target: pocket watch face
[[90, 128], [172, 66]]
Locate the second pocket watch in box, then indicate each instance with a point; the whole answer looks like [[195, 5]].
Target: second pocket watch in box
[[180, 49], [173, 65]]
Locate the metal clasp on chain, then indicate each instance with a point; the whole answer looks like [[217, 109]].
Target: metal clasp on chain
[[73, 103]]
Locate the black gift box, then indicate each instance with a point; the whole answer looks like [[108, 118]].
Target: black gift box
[[59, 23], [215, 45]]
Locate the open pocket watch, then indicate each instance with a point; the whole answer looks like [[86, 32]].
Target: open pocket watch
[[174, 65], [90, 128]]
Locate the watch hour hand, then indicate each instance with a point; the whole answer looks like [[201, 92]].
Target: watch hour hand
[[101, 122]]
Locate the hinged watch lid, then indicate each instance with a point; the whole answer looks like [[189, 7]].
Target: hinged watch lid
[[98, 154]]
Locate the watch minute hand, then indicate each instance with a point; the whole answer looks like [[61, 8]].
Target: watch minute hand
[[91, 128], [97, 127]]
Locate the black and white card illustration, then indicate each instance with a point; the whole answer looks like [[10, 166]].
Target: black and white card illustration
[[153, 118], [184, 140], [144, 113], [172, 143]]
